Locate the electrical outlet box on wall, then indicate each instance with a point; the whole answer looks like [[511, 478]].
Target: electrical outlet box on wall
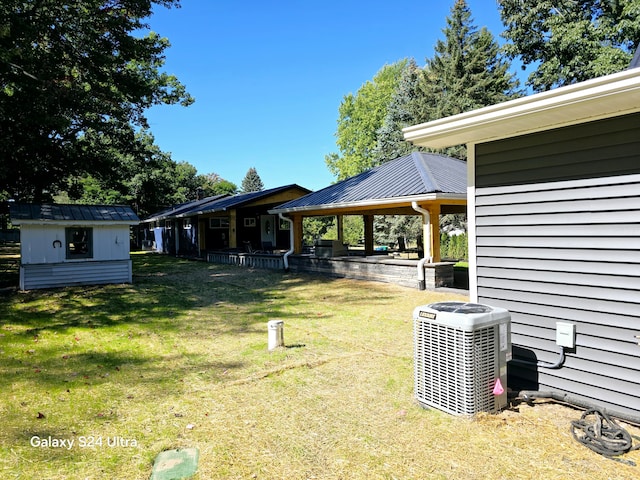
[[566, 334]]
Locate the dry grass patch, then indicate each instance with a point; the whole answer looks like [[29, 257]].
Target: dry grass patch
[[179, 359]]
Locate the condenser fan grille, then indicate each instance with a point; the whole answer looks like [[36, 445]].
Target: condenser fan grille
[[455, 369]]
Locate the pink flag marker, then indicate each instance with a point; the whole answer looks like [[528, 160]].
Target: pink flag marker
[[497, 388]]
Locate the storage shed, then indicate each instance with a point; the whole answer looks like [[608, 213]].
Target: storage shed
[[62, 245], [554, 232]]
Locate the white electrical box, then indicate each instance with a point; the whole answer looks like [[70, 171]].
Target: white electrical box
[[566, 334]]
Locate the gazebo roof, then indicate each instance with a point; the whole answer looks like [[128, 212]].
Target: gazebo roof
[[416, 177]]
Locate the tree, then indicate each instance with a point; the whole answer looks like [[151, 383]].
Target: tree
[[75, 80], [569, 41], [466, 72], [360, 117], [214, 184], [403, 110], [252, 182]]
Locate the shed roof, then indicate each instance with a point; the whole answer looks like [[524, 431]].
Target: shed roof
[[26, 213], [415, 176]]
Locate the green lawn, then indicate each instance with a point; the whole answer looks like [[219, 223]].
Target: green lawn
[[179, 359]]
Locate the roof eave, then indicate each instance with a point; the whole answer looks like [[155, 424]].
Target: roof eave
[[603, 97], [369, 203], [70, 223]]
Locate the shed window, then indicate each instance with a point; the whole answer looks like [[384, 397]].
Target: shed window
[[79, 242]]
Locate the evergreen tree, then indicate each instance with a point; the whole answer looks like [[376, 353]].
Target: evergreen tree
[[252, 182], [466, 72]]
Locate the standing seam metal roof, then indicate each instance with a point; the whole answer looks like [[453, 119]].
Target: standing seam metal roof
[[72, 213], [418, 173], [217, 204]]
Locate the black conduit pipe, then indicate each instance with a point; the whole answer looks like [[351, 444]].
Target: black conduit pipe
[[530, 395], [556, 365]]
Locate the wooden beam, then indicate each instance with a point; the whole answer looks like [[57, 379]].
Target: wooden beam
[[297, 234], [368, 234], [233, 234], [434, 210]]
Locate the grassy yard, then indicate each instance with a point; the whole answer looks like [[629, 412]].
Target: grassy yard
[[179, 359]]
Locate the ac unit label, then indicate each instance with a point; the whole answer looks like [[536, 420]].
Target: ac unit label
[[429, 315]]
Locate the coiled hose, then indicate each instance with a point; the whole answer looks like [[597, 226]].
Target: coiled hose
[[598, 432]]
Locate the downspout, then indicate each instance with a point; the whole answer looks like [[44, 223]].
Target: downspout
[[426, 233], [285, 258]]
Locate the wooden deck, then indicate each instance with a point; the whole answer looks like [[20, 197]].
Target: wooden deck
[[379, 268]]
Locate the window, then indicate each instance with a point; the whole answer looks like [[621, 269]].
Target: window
[[167, 224], [79, 242], [186, 223], [249, 222], [219, 222], [284, 225]]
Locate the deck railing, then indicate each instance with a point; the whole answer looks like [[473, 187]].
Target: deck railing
[[249, 260]]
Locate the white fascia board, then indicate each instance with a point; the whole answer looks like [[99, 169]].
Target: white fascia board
[[74, 223], [432, 197], [603, 97]]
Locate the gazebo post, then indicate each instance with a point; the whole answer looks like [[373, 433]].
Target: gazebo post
[[368, 234], [434, 210], [340, 228], [297, 234]]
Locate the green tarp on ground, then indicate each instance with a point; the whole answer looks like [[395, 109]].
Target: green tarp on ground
[[175, 464]]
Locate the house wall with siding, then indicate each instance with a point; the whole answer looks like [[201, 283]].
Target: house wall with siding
[[44, 265], [110, 242], [557, 238]]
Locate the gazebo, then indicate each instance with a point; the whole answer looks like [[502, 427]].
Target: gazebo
[[420, 183]]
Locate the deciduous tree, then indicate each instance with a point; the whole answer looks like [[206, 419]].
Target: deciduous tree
[[568, 41], [359, 118], [75, 79]]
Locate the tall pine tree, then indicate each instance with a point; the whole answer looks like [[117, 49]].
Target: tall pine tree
[[252, 182], [466, 72]]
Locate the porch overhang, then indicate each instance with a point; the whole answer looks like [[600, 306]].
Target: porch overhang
[[386, 206]]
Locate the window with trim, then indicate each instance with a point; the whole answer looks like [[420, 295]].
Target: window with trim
[[186, 223], [79, 242], [219, 222]]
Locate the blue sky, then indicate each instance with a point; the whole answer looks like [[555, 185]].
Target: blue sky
[[268, 77]]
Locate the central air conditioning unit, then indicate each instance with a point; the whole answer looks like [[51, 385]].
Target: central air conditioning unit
[[461, 352]]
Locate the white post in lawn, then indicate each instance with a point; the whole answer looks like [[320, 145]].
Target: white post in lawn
[[275, 334]]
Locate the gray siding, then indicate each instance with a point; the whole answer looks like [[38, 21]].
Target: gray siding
[[566, 247], [33, 276]]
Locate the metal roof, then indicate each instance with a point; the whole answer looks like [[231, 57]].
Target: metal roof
[[218, 204], [407, 177], [45, 213], [180, 209]]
